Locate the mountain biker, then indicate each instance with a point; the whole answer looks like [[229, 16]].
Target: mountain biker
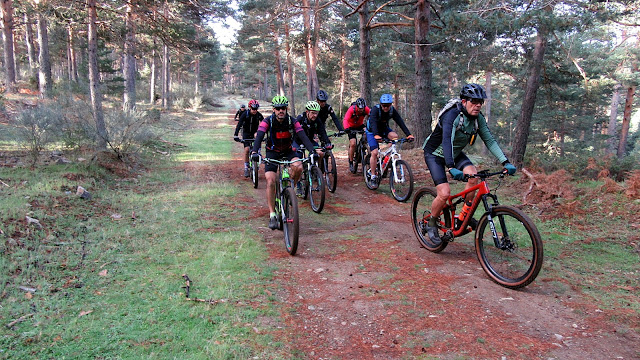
[[312, 127], [249, 121], [280, 129], [326, 110], [242, 109], [354, 120], [458, 124], [378, 128]]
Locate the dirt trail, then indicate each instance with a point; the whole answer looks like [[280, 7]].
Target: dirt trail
[[361, 287]]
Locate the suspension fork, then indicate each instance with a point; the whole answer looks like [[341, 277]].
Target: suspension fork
[[499, 242]]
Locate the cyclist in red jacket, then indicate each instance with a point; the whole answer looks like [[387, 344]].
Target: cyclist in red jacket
[[355, 119]]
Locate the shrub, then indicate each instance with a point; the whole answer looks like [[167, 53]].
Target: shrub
[[37, 127]]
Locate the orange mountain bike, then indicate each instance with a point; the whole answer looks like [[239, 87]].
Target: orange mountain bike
[[508, 244]]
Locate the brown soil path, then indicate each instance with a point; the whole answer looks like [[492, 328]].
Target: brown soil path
[[361, 287]]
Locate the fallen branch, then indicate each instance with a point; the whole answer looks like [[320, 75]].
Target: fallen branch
[[19, 320], [188, 288], [4, 183], [533, 183]]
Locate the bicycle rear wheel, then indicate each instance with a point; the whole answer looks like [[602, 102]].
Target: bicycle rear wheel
[[290, 220], [401, 181], [371, 184], [254, 173], [330, 171], [514, 257], [420, 212], [316, 190]]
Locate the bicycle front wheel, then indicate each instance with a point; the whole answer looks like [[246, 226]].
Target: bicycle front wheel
[[316, 189], [330, 171], [401, 181], [254, 173], [420, 213], [512, 255], [290, 220]]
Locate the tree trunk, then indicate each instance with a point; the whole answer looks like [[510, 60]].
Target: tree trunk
[[276, 56], [94, 76], [7, 36], [129, 103], [290, 65], [343, 71], [365, 54], [31, 53], [166, 81], [44, 72], [73, 62], [306, 16], [422, 114], [626, 120], [197, 69], [487, 104], [613, 120], [529, 101], [314, 48], [153, 75]]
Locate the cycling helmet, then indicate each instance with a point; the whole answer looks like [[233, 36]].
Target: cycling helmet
[[322, 95], [472, 91], [280, 100], [360, 103], [386, 99], [242, 106], [254, 104], [312, 105]]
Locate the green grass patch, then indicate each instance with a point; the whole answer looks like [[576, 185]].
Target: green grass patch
[[102, 278]]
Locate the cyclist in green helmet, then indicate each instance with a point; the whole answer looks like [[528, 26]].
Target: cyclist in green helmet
[[312, 127], [280, 129]]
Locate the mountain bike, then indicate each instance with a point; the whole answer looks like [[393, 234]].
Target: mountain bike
[[312, 182], [286, 205], [254, 166], [329, 167], [508, 244], [362, 150], [390, 163]]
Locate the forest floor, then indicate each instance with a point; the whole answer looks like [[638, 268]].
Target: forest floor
[[361, 287]]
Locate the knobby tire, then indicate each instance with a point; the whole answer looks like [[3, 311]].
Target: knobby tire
[[330, 172], [519, 261], [290, 220], [254, 173], [420, 211], [316, 189], [403, 188]]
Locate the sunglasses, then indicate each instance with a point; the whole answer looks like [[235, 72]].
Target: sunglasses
[[385, 105], [278, 108], [477, 101]]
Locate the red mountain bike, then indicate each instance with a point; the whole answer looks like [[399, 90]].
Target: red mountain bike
[[508, 244]]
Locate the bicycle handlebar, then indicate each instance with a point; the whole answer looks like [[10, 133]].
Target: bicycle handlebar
[[403, 140], [484, 174]]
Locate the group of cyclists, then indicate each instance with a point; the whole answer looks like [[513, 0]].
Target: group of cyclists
[[459, 123]]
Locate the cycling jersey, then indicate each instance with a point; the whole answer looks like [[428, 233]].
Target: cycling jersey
[[313, 128], [454, 132], [280, 134], [324, 113], [353, 120], [249, 124], [379, 121]]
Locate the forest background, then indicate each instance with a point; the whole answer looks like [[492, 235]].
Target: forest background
[[561, 75]]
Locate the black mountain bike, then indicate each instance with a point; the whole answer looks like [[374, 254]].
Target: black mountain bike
[[329, 167], [362, 150], [312, 182]]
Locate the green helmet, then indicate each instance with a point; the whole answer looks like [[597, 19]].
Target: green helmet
[[280, 100], [312, 105]]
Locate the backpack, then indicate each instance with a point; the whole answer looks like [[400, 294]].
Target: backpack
[[379, 114], [451, 104]]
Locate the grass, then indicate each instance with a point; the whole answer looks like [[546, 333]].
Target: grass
[[107, 288]]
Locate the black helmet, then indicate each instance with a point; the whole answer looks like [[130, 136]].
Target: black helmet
[[322, 95], [360, 103], [243, 106], [472, 91]]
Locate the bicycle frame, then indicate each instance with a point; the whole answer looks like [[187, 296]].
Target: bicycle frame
[[394, 155], [483, 194]]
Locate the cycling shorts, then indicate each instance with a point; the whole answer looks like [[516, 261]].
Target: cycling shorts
[[352, 131], [289, 155], [436, 165], [373, 144]]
